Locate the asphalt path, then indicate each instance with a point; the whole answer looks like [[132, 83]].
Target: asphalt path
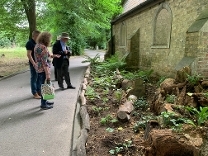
[[25, 129]]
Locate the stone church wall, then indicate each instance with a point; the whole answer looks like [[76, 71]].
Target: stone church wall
[[159, 38]]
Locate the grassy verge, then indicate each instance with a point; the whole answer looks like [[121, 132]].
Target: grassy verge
[[12, 60]]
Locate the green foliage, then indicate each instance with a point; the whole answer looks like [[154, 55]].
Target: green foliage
[[12, 19], [109, 129], [106, 108], [97, 110], [201, 114], [161, 80], [84, 20], [105, 99], [167, 118], [116, 150], [141, 104], [139, 125], [121, 147], [103, 82], [170, 119], [114, 120], [108, 119], [170, 98], [145, 75], [87, 21], [4, 42], [193, 79], [118, 94], [90, 93], [92, 61], [111, 64]]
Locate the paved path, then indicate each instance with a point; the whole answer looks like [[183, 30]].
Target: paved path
[[25, 130]]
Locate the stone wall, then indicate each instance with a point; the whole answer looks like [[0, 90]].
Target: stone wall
[[131, 4], [163, 60]]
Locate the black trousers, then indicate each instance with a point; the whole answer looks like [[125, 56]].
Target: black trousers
[[63, 72], [55, 73]]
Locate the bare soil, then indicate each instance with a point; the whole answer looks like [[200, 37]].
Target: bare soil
[[12, 66]]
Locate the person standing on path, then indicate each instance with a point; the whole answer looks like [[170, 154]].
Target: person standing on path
[[54, 62], [62, 63], [34, 81], [42, 58]]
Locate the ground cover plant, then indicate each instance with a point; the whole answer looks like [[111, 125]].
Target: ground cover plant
[[153, 118]]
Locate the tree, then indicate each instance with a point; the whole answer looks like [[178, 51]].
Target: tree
[[84, 20], [30, 11]]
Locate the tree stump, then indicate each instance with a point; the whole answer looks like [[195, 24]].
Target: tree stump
[[181, 97], [157, 103], [166, 143]]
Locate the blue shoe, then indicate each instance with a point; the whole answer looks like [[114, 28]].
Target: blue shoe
[[46, 107]]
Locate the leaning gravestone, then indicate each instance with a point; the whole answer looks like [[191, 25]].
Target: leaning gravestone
[[138, 88]]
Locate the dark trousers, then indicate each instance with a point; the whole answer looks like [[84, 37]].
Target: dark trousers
[[55, 73], [34, 80], [42, 77], [63, 72]]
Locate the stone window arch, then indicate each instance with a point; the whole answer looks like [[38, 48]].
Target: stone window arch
[[162, 25], [123, 34]]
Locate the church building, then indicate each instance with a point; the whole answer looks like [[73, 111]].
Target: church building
[[163, 35]]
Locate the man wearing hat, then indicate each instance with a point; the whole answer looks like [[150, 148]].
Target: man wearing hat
[[62, 64], [54, 59]]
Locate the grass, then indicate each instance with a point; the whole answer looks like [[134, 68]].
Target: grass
[[10, 53], [12, 60]]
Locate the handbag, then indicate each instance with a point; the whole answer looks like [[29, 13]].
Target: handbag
[[47, 91]]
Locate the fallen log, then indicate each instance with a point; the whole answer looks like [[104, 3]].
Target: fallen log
[[124, 111]]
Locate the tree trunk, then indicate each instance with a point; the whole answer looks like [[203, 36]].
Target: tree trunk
[[30, 10]]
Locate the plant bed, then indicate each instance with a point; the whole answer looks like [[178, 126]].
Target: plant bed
[[154, 128]]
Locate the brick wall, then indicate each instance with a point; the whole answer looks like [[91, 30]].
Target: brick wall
[[161, 60]]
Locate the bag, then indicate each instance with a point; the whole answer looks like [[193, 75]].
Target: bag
[[47, 91]]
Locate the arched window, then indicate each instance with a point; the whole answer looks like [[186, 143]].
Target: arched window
[[123, 34], [162, 24]]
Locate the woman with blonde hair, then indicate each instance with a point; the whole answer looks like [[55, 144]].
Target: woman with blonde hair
[[42, 59]]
